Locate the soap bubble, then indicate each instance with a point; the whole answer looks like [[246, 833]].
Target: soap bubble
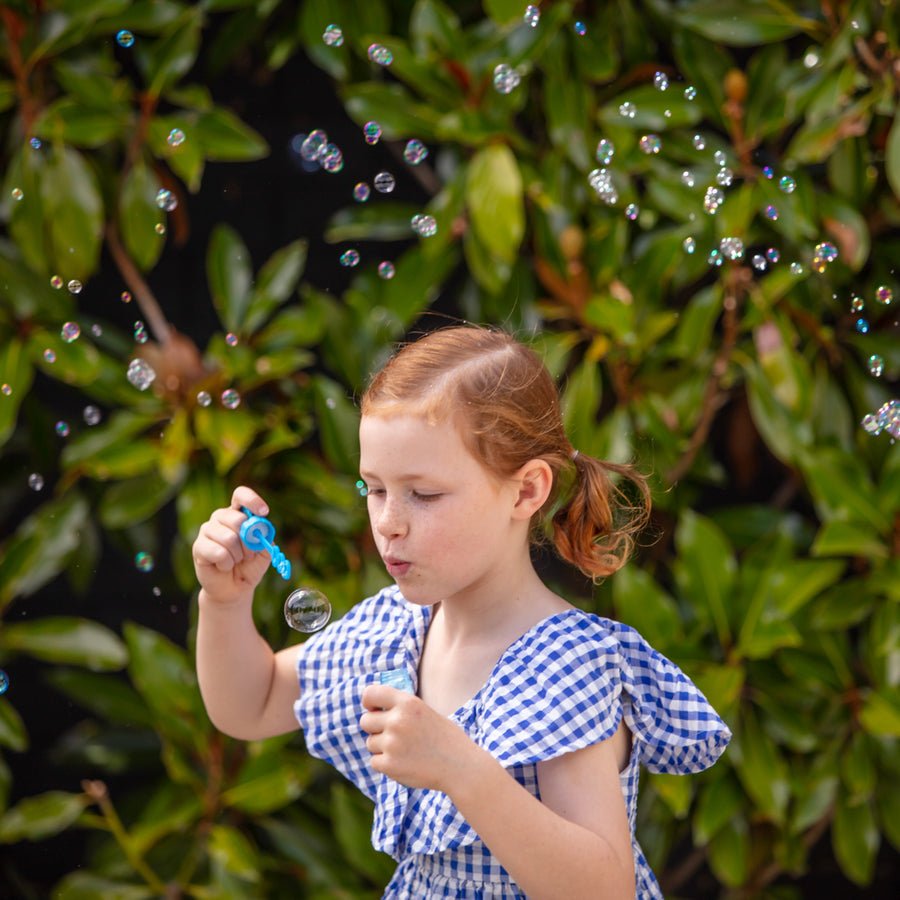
[[96, 330], [140, 374], [140, 332], [769, 172], [307, 610], [175, 137], [871, 424], [827, 251], [506, 78], [532, 16], [4, 682], [232, 339], [759, 262], [36, 481], [690, 92], [91, 415], [876, 365], [424, 226], [796, 268], [699, 142], [687, 178], [857, 304], [712, 200], [70, 331], [380, 55], [689, 244], [386, 270], [144, 561], [632, 211], [715, 257], [166, 200], [62, 428], [314, 145], [333, 36], [661, 81], [719, 158], [732, 247], [332, 160], [650, 143], [125, 297], [772, 213], [787, 184], [125, 38], [5, 389], [372, 132], [230, 398], [862, 326], [724, 177], [17, 193], [350, 258], [35, 143], [74, 286], [361, 192], [204, 398], [56, 282], [50, 356], [884, 295], [601, 181], [414, 152], [627, 110], [384, 182], [605, 151], [580, 29], [773, 254], [159, 228]]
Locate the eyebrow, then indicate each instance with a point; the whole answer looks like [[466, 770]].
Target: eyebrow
[[409, 476]]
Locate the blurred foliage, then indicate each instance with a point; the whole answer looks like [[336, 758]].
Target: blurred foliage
[[774, 581]]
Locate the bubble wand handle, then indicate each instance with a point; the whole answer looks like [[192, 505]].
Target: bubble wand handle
[[258, 534]]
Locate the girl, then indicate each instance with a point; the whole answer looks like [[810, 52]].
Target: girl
[[512, 770]]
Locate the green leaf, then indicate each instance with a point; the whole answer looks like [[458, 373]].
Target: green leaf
[[880, 713], [268, 782], [67, 640], [105, 696], [761, 768], [719, 803], [276, 281], [729, 852], [858, 771], [495, 201], [580, 402], [855, 839], [15, 371], [202, 493], [338, 422], [839, 538], [225, 138], [230, 275], [892, 157], [232, 850], [74, 123], [643, 604], [89, 886], [226, 433], [38, 817], [742, 24], [351, 816], [12, 728], [139, 215], [126, 503], [675, 791], [174, 56], [504, 11]]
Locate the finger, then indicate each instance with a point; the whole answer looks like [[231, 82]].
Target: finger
[[380, 696], [373, 744], [227, 537], [244, 496], [372, 722]]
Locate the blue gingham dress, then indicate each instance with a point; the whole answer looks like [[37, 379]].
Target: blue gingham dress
[[563, 685]]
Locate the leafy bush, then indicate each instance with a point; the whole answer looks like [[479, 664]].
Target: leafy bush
[[739, 383]]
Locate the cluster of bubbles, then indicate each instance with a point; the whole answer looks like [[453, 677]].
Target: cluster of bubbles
[[886, 418], [531, 16], [316, 148]]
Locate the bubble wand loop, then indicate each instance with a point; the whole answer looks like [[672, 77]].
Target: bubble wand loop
[[258, 534]]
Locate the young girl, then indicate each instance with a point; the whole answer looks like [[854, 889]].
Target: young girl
[[512, 771]]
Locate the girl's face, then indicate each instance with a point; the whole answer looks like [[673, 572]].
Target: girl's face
[[443, 525]]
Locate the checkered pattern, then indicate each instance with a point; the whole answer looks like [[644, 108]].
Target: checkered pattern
[[563, 685]]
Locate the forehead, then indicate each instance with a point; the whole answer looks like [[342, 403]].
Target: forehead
[[392, 442]]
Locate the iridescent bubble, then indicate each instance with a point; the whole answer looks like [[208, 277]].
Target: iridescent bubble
[[380, 55], [689, 245], [759, 262], [687, 178], [601, 181], [773, 254], [719, 158], [332, 159], [361, 192], [70, 331], [605, 151], [884, 295], [140, 332], [532, 16], [307, 610], [74, 286], [140, 373], [889, 418], [384, 182], [159, 228], [769, 172], [715, 257], [772, 213], [732, 247], [92, 415], [871, 424], [36, 481], [56, 282], [49, 356], [96, 330], [125, 297], [314, 145], [4, 682], [386, 270], [125, 38], [62, 428], [333, 36], [827, 251], [580, 29], [350, 258], [811, 59], [5, 389], [787, 184], [876, 365], [796, 268], [650, 143], [699, 142], [724, 177], [661, 81], [627, 110], [230, 398], [35, 143], [506, 78], [175, 137], [712, 200], [857, 304], [231, 339], [204, 398], [690, 92], [632, 211], [414, 152], [372, 132], [17, 193], [424, 225], [144, 561], [862, 326], [166, 200]]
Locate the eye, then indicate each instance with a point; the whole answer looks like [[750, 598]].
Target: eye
[[426, 498]]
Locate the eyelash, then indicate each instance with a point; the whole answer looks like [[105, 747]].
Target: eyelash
[[421, 498]]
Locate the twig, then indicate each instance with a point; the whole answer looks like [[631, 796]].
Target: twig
[[14, 31]]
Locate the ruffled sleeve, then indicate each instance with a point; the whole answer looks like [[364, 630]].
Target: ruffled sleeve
[[335, 666]]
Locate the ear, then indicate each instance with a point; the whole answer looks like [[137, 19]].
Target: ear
[[535, 479]]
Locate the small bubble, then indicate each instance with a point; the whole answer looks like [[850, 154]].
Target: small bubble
[[175, 137], [732, 247], [605, 151], [333, 36], [70, 331], [140, 374], [661, 81], [506, 78], [4, 682], [415, 152], [361, 192], [532, 16], [17, 193], [166, 200], [773, 254], [715, 257], [857, 304], [159, 228], [92, 415], [96, 330], [62, 428], [231, 339], [332, 160], [759, 263], [627, 110], [580, 28], [687, 178], [769, 172], [884, 295], [203, 398], [49, 356], [231, 399], [712, 200], [380, 55], [667, 113], [35, 143], [826, 251], [724, 177], [424, 226], [157, 592], [862, 326], [690, 92], [125, 297], [871, 424], [140, 332], [36, 481], [314, 145], [56, 282], [349, 259], [307, 610], [144, 561], [719, 158], [650, 143], [386, 270], [689, 245], [74, 286], [796, 268], [876, 365], [787, 184], [699, 142], [372, 132], [811, 59], [632, 211], [384, 182], [5, 389], [772, 213], [125, 38]]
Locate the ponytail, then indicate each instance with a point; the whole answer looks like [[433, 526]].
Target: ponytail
[[595, 528]]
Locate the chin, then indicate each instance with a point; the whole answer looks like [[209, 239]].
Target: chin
[[413, 595]]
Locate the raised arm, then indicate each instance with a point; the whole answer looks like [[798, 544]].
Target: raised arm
[[248, 690]]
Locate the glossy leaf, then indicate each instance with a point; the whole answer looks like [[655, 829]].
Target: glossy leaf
[[67, 640], [855, 839], [139, 216], [495, 202], [38, 817], [230, 276], [12, 728]]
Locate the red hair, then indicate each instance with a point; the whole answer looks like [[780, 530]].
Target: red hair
[[507, 406]]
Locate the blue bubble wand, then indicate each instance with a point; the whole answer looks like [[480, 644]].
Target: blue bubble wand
[[258, 534]]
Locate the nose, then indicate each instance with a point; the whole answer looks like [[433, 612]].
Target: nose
[[390, 521]]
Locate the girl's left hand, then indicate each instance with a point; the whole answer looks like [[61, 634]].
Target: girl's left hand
[[410, 742]]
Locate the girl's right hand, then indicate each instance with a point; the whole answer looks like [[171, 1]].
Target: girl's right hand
[[226, 569]]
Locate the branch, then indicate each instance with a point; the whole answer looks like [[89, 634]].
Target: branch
[[15, 29]]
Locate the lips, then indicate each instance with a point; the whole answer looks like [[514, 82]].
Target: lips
[[396, 567]]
